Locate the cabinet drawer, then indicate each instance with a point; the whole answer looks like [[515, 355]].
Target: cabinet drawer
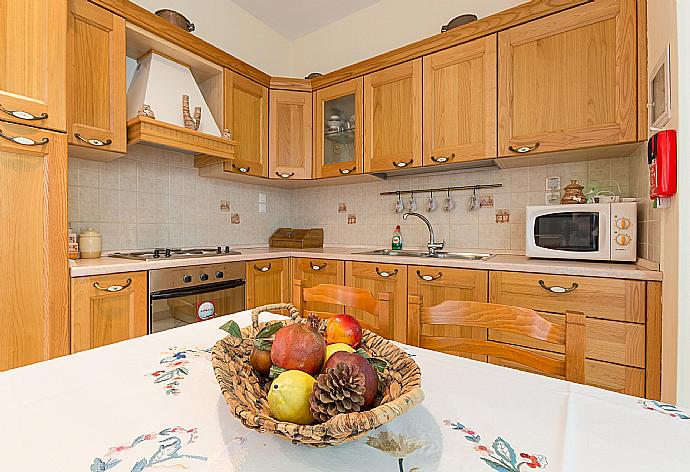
[[611, 299], [610, 341]]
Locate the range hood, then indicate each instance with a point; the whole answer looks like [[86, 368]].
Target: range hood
[[155, 110]]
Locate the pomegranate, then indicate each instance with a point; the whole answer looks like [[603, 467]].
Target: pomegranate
[[299, 347]]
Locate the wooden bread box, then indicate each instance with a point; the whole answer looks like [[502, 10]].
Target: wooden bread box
[[297, 238]]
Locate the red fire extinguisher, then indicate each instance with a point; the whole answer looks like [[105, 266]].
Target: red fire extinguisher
[[661, 157]]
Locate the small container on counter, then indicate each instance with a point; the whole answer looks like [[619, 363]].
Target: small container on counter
[[90, 244], [73, 246]]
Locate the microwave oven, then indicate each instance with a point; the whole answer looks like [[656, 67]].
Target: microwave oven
[[592, 231]]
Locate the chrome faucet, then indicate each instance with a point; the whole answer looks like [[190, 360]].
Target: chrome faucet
[[433, 245]]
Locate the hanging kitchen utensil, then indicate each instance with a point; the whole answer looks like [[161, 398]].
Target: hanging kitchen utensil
[[399, 205], [431, 202], [473, 204], [413, 203], [449, 204]]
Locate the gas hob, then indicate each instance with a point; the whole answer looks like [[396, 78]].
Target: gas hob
[[176, 253]]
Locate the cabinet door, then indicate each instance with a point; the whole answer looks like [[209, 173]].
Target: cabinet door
[[268, 281], [568, 81], [378, 278], [393, 117], [460, 103], [32, 68], [290, 155], [33, 222], [313, 272], [246, 115], [96, 107], [338, 129], [436, 285], [108, 308]]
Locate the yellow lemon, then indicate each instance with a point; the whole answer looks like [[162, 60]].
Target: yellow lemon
[[288, 397], [331, 348]]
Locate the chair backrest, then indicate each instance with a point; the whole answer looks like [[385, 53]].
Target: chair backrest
[[352, 297], [510, 319]]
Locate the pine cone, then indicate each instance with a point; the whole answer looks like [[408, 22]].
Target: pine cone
[[338, 390]]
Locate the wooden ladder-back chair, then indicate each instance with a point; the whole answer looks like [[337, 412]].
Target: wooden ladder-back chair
[[352, 297], [510, 319]]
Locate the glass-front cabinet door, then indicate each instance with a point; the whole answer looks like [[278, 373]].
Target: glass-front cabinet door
[[338, 129]]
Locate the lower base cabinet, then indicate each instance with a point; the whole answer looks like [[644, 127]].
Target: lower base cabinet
[[268, 281], [108, 308], [313, 272]]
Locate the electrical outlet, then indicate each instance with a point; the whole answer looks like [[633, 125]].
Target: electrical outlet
[[262, 208], [262, 198]]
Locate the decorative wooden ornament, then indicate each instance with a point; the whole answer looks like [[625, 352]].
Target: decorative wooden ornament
[[189, 121]]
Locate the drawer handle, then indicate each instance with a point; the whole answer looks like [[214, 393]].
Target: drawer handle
[[24, 115], [263, 269], [242, 170], [316, 266], [93, 142], [386, 274], [556, 288], [24, 141], [523, 149], [113, 288], [403, 164], [442, 159], [429, 278], [347, 171], [285, 175]]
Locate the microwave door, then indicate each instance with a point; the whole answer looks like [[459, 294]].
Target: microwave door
[[570, 234]]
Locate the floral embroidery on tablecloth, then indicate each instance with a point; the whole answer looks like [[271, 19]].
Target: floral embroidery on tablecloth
[[175, 367], [171, 446], [500, 455], [664, 408], [395, 444]]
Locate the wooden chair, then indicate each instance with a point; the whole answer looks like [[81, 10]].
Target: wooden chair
[[352, 297], [509, 319]]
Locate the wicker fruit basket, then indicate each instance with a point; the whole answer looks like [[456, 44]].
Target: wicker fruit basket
[[246, 393]]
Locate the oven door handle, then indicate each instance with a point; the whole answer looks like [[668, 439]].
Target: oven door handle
[[197, 290]]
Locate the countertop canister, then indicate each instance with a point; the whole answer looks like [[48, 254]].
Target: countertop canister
[[90, 244]]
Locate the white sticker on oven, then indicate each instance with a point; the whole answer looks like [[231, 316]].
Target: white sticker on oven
[[205, 310]]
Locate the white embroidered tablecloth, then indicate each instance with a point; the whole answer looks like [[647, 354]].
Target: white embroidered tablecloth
[[153, 403]]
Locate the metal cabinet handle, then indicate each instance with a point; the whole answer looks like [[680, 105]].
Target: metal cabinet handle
[[316, 266], [442, 159], [24, 115], [24, 141], [262, 269], [285, 176], [556, 288], [113, 288], [386, 274], [523, 149], [429, 278], [93, 142], [243, 170], [403, 164], [347, 171]]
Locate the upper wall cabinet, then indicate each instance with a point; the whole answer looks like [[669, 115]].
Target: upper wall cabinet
[[246, 116], [393, 117], [460, 103], [290, 132], [97, 102], [32, 68], [338, 129], [569, 80]]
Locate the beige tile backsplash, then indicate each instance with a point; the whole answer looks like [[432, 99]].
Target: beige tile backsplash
[[648, 217]]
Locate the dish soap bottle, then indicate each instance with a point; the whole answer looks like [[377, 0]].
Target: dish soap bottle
[[397, 242]]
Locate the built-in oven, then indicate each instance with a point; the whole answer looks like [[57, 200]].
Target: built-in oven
[[182, 295]]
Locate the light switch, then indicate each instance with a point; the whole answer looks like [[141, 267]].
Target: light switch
[[262, 199], [262, 208]]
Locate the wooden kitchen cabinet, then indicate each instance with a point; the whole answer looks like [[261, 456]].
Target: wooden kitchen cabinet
[[338, 116], [290, 135], [393, 117], [434, 285], [246, 116], [108, 308], [569, 80], [33, 37], [460, 103], [379, 278], [313, 272], [34, 322], [268, 281], [97, 102]]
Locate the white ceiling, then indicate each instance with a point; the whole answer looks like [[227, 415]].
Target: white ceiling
[[295, 18]]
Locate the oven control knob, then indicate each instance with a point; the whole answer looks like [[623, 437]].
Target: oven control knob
[[227, 249], [187, 278], [623, 239], [219, 274], [623, 223], [203, 277], [219, 250]]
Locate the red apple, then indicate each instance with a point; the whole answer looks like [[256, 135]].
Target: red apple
[[299, 347], [343, 329], [371, 379]]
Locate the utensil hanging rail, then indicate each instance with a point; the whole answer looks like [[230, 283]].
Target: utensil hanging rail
[[442, 189]]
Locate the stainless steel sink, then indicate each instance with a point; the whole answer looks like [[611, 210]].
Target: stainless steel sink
[[468, 256]]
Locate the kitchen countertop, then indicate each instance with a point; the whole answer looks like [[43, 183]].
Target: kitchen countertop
[[504, 262]]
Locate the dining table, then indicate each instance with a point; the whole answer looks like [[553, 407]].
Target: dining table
[[153, 404]]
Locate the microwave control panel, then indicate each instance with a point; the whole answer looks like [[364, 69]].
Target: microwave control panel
[[624, 231]]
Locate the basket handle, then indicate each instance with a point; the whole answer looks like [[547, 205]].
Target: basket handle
[[292, 309]]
